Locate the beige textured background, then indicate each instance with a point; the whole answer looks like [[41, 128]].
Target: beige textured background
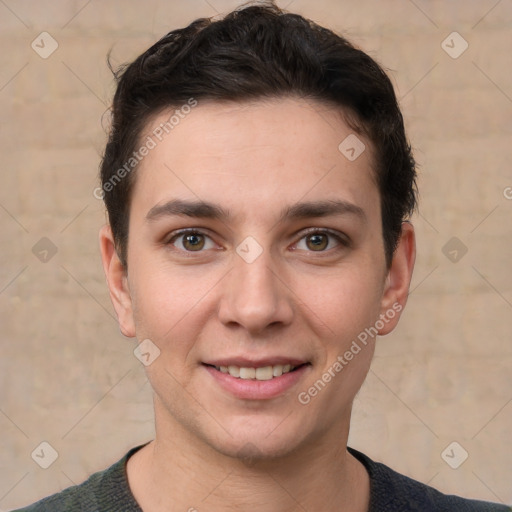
[[68, 377]]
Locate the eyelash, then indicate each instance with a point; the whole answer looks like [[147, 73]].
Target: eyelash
[[343, 241]]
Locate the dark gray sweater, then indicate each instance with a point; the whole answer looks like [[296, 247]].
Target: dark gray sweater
[[108, 491]]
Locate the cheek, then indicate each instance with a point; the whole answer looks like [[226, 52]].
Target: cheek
[[165, 300], [346, 301], [343, 313]]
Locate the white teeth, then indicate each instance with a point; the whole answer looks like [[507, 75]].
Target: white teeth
[[264, 373], [277, 370], [247, 373], [261, 373], [234, 371]]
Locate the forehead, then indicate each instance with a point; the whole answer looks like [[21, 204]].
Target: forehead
[[255, 158]]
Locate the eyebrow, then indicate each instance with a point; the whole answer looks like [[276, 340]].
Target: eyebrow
[[206, 210]]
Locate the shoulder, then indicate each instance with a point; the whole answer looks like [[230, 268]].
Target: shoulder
[[394, 492], [106, 490]]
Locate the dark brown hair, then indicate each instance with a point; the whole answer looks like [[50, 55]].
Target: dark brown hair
[[255, 52]]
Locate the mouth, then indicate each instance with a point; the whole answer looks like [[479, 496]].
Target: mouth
[[257, 380], [267, 372]]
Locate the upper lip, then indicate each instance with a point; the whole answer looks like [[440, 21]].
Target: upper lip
[[245, 362]]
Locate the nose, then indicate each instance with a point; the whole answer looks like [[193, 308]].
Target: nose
[[255, 295]]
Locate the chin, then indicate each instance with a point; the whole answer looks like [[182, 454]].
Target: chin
[[252, 452], [259, 442]]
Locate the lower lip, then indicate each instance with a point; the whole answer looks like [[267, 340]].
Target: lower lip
[[252, 389]]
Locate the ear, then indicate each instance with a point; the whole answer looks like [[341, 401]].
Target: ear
[[117, 281], [398, 280]]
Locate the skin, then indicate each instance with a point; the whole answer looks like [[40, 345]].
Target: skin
[[212, 450]]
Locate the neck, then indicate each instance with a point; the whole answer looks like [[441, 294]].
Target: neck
[[177, 472]]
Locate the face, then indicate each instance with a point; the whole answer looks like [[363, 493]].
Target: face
[[256, 266]]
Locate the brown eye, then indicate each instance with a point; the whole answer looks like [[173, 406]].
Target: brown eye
[[317, 241], [322, 241], [191, 241]]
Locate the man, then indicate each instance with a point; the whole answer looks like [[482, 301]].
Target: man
[[258, 182]]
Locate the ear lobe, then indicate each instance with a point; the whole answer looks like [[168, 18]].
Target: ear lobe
[[117, 281], [398, 280]]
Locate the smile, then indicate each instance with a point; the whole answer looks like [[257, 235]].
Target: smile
[[255, 381], [261, 373]]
